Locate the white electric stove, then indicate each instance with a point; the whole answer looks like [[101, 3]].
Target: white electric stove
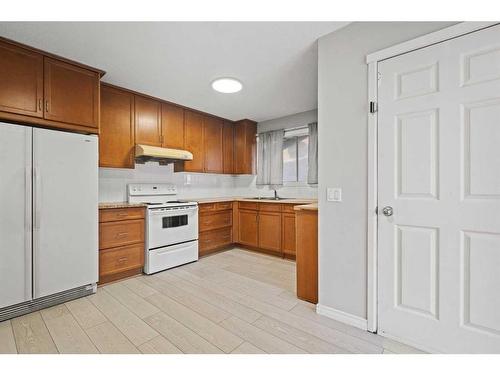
[[171, 226]]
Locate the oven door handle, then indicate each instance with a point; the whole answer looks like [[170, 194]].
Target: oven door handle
[[173, 212]]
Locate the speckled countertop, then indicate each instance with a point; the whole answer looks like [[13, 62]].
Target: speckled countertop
[[105, 205], [309, 207], [243, 199], [299, 201]]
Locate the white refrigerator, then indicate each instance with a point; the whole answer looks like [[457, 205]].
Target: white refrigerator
[[48, 217]]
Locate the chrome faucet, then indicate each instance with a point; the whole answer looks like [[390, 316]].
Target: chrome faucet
[[275, 194]]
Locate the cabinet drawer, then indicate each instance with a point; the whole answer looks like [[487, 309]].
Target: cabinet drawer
[[117, 214], [288, 208], [215, 239], [204, 207], [270, 207], [120, 259], [248, 205], [223, 205], [120, 233], [215, 220]]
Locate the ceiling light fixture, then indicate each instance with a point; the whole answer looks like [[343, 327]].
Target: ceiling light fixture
[[227, 85]]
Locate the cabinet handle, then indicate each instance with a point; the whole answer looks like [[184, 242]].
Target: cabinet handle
[[40, 106], [122, 214], [122, 259], [46, 106], [121, 235]]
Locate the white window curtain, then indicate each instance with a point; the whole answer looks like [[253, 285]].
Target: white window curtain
[[312, 173], [270, 158]]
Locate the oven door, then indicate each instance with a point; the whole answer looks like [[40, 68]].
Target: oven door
[[169, 226]]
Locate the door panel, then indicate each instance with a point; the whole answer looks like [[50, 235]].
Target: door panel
[[147, 121], [270, 230], [438, 159], [71, 94], [248, 227], [194, 141], [172, 122], [228, 148], [65, 211], [15, 214], [245, 144], [21, 77], [212, 139], [116, 137], [288, 234]]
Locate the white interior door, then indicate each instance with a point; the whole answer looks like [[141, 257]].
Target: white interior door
[[65, 235], [15, 214], [439, 170]]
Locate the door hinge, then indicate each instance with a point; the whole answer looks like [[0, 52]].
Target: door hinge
[[376, 210], [373, 107]]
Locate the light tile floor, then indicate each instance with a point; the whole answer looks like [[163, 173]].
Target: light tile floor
[[231, 302]]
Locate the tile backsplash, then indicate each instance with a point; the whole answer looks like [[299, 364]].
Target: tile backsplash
[[113, 184]]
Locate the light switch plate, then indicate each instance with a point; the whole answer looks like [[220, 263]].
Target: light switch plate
[[334, 194]]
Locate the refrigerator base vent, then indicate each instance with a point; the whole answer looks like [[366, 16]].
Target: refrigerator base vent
[[44, 302]]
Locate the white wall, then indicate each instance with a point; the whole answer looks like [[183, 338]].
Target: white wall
[[287, 122], [113, 182], [342, 123]]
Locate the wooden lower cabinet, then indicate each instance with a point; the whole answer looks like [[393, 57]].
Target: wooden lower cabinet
[[116, 261], [215, 226], [259, 226], [121, 243], [214, 240], [307, 255], [248, 229], [270, 231], [288, 235]]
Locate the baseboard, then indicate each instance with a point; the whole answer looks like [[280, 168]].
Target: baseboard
[[343, 317]]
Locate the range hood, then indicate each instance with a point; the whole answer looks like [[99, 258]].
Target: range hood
[[163, 155]]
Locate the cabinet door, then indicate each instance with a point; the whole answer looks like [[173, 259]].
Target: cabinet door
[[269, 231], [227, 147], [71, 94], [288, 234], [212, 138], [193, 128], [248, 227], [21, 81], [116, 138], [172, 123], [245, 147], [147, 121]]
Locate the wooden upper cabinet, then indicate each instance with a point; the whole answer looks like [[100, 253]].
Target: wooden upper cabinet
[[147, 121], [245, 145], [172, 126], [71, 94], [212, 139], [228, 147], [21, 80], [116, 138], [193, 141]]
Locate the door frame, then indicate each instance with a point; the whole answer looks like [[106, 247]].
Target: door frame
[[372, 61]]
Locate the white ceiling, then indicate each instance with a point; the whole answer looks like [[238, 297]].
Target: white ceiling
[[176, 61]]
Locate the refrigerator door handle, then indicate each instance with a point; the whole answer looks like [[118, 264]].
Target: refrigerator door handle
[[27, 184], [37, 198]]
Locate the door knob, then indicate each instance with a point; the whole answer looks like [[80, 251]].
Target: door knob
[[387, 211]]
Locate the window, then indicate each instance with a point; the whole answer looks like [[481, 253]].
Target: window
[[295, 152]]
